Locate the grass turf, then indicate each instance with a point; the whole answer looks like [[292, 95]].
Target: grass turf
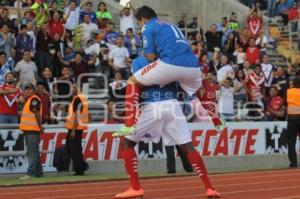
[[53, 178]]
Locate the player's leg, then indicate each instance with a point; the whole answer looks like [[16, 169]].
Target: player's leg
[[177, 132], [198, 164], [156, 73], [212, 110], [131, 166]]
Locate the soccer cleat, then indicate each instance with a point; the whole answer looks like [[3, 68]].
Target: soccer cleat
[[221, 126], [124, 131], [131, 193], [212, 193]]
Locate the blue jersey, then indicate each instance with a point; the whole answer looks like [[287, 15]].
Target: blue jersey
[[154, 93], [168, 43]]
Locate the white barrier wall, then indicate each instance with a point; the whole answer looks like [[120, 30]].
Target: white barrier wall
[[240, 138]]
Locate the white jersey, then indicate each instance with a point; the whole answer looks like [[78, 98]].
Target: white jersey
[[162, 119], [267, 70]]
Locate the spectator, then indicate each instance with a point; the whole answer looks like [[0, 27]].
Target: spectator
[[281, 81], [182, 22], [102, 12], [27, 17], [226, 100], [117, 88], [240, 56], [47, 80], [253, 53], [255, 22], [46, 101], [127, 19], [255, 85], [113, 116], [243, 38], [225, 71], [5, 66], [40, 12], [32, 33], [4, 19], [62, 87], [10, 97], [119, 58], [230, 46], [56, 25], [294, 12], [240, 95], [7, 41], [223, 25], [208, 99], [268, 71], [282, 10], [72, 16], [133, 43], [55, 8], [111, 35], [233, 24], [204, 63], [42, 47], [213, 39], [88, 28], [24, 43], [247, 68], [275, 109], [79, 66], [26, 69], [88, 11]]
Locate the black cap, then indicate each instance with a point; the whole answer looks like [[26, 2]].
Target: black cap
[[30, 86]]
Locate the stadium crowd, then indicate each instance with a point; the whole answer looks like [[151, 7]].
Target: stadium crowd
[[60, 40]]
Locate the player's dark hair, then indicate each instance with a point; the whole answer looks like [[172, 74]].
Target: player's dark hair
[[145, 12], [2, 53], [23, 26]]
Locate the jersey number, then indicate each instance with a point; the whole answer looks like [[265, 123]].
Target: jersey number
[[178, 34]]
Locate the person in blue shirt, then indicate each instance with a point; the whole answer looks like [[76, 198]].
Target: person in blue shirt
[[88, 11], [160, 116], [171, 59]]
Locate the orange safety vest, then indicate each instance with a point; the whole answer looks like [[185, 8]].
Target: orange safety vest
[[28, 118], [83, 117], [293, 100]]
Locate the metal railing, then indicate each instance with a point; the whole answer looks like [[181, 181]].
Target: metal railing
[[294, 30]]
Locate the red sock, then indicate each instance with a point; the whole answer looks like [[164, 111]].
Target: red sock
[[131, 165], [199, 166], [210, 107], [131, 104]]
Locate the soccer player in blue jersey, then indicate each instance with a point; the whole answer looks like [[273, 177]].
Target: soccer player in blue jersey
[[171, 59], [161, 115]]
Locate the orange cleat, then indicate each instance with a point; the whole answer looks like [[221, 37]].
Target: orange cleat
[[212, 193], [131, 193]]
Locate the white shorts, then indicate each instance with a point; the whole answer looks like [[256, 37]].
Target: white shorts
[[162, 119], [161, 73]]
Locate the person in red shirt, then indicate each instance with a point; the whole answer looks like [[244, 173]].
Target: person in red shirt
[[275, 110], [208, 98], [294, 12], [45, 98], [255, 22], [255, 84], [56, 25], [253, 52], [10, 96]]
